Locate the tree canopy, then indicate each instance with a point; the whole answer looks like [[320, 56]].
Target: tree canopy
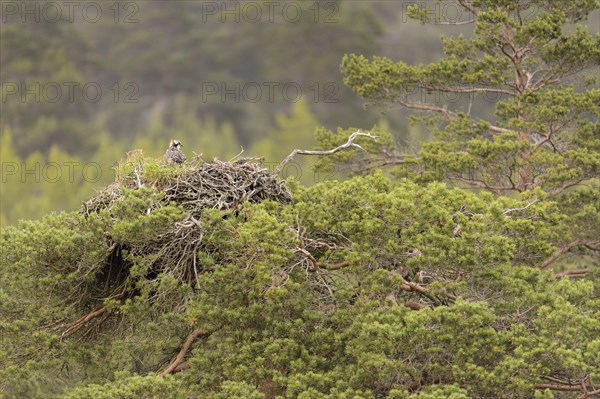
[[528, 58], [378, 297], [465, 270]]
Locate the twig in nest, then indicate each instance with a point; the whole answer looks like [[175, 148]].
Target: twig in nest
[[238, 155], [176, 364], [348, 144]]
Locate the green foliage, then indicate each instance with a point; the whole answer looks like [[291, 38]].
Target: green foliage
[[530, 61], [526, 61], [150, 58], [314, 299], [126, 386], [379, 286], [33, 186]]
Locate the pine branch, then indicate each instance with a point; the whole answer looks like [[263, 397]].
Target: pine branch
[[76, 326], [567, 248], [177, 364]]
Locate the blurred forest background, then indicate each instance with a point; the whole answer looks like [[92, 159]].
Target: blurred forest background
[[84, 84]]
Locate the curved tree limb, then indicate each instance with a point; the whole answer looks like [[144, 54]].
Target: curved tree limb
[[76, 326], [426, 107], [554, 257], [348, 144], [565, 388], [316, 265], [509, 211], [177, 364]]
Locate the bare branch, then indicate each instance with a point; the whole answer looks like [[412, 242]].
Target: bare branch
[[413, 305], [427, 108], [591, 394], [554, 387], [467, 6], [238, 155], [445, 112], [76, 326], [566, 186], [335, 266], [177, 363], [348, 144], [453, 23], [469, 90], [374, 163], [315, 265], [509, 211], [569, 387], [559, 253], [567, 248], [482, 184], [409, 286], [575, 273]]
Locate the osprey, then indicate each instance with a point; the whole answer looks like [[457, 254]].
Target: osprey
[[174, 153]]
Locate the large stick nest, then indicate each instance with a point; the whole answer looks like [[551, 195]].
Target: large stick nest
[[138, 261], [174, 250], [197, 185]]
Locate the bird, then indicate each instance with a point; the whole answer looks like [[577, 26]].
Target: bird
[[174, 153]]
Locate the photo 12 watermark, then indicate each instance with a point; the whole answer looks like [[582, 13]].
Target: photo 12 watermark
[[324, 12], [456, 12], [69, 11], [254, 92], [69, 92], [50, 172]]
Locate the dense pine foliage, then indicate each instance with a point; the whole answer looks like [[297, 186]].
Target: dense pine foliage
[[358, 289], [467, 269]]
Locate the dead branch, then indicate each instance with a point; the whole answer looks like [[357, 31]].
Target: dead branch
[[575, 273], [566, 388], [179, 359], [410, 287], [76, 326], [335, 266], [509, 211], [447, 114], [317, 265], [348, 144], [587, 395], [413, 305], [554, 257]]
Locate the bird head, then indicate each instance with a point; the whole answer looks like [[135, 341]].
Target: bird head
[[175, 144]]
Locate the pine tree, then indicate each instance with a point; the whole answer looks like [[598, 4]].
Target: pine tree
[[535, 63], [529, 59]]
